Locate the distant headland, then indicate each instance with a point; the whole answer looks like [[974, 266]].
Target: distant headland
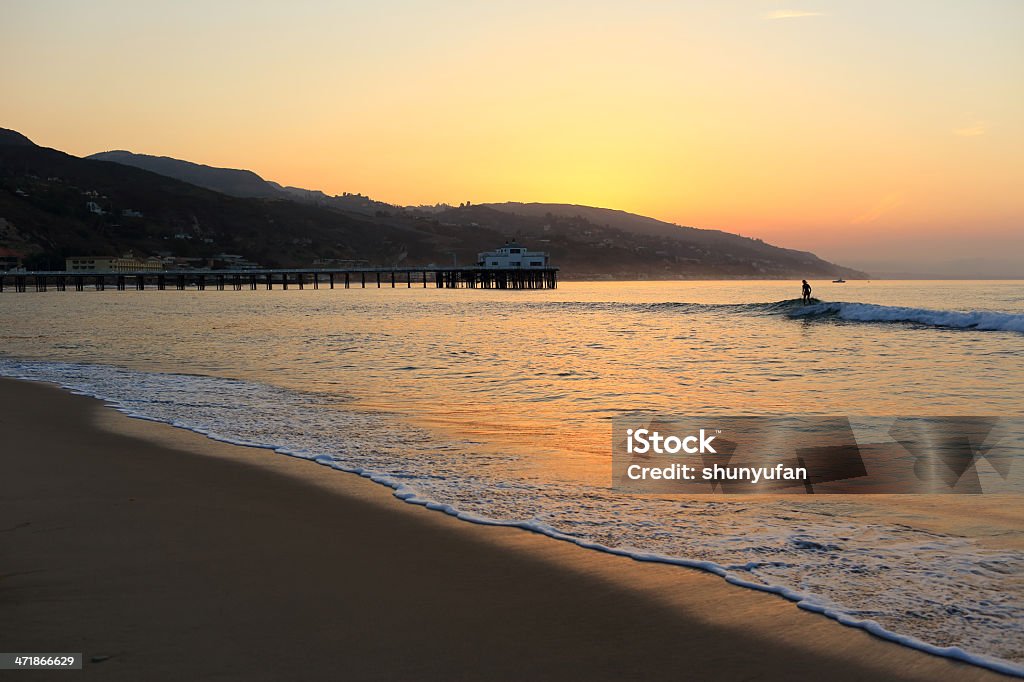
[[54, 206]]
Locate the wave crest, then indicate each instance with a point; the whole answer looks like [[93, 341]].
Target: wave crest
[[983, 320]]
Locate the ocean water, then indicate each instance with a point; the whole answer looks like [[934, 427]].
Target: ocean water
[[496, 406]]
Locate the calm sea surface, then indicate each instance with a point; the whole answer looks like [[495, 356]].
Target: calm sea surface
[[497, 405]]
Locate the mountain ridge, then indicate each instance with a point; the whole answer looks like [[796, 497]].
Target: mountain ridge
[[53, 204], [14, 138], [231, 181]]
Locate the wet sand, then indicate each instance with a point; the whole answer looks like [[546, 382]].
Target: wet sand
[[177, 557]]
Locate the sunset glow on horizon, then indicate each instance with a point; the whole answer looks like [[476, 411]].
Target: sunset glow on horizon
[[849, 129]]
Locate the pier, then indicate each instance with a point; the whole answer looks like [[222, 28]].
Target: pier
[[299, 278]]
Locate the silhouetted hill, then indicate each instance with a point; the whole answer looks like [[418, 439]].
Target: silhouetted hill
[[236, 183], [13, 137], [53, 205], [687, 251], [241, 183], [630, 222], [356, 203]]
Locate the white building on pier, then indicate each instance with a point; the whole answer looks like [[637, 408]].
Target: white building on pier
[[512, 255]]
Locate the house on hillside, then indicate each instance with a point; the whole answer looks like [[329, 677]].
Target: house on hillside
[[9, 259], [126, 263]]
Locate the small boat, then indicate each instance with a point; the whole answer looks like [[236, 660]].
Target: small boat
[[839, 281]]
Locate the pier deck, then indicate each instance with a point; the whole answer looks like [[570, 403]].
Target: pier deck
[[140, 280]]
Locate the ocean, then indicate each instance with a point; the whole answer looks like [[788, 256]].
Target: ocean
[[496, 406]]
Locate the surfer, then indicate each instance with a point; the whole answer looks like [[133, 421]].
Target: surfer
[[807, 293]]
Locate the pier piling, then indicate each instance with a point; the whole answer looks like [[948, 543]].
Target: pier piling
[[443, 278]]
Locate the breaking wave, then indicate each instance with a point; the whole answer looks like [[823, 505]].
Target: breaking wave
[[981, 320]]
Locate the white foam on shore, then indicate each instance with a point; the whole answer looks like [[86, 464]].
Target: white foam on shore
[[981, 320], [255, 419]]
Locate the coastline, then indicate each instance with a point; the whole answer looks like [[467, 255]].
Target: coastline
[[177, 556]]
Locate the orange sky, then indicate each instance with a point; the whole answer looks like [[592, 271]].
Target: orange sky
[[854, 129]]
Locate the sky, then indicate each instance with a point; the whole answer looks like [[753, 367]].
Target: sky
[[868, 132]]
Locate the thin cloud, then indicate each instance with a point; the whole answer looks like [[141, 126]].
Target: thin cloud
[[884, 205], [979, 128], [792, 14]]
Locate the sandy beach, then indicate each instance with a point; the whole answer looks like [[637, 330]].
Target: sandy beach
[[170, 556]]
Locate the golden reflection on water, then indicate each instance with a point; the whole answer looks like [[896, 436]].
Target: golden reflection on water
[[517, 391], [535, 376]]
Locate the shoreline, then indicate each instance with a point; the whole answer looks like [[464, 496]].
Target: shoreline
[[137, 540]]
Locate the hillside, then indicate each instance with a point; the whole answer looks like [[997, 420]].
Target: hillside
[[53, 205], [239, 183], [236, 183], [629, 222], [14, 138], [357, 203], [710, 247], [654, 251]]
